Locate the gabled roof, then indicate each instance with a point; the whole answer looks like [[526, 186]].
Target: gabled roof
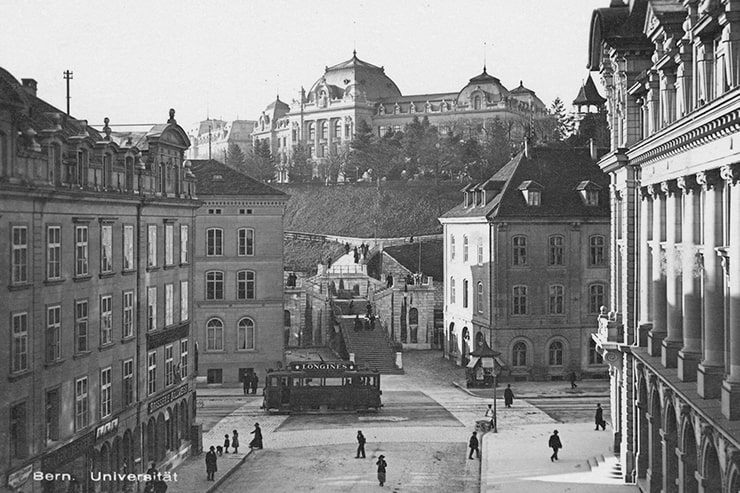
[[560, 170], [215, 178]]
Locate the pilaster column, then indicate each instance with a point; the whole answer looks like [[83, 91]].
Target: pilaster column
[[645, 313], [674, 317], [688, 356], [731, 385], [658, 332], [653, 102], [711, 368], [684, 77], [704, 65], [667, 97]]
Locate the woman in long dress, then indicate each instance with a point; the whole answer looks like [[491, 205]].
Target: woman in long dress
[[257, 440]]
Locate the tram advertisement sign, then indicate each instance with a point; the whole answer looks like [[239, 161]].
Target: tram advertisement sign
[[322, 366]]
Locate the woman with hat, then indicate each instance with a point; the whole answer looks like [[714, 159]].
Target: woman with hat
[[257, 440], [382, 464]]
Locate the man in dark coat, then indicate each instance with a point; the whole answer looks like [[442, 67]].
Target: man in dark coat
[[599, 418], [382, 464], [508, 395], [573, 380], [211, 461], [246, 382], [473, 444], [255, 382], [555, 444], [360, 445]]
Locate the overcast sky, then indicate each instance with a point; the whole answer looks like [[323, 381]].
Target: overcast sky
[[134, 60]]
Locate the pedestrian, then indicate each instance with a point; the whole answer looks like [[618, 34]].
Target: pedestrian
[[382, 464], [473, 444], [555, 444], [573, 380], [227, 443], [245, 383], [489, 414], [599, 418], [360, 445], [328, 262], [257, 440], [211, 463], [255, 382], [346, 248], [508, 396], [369, 308], [235, 441], [151, 475]]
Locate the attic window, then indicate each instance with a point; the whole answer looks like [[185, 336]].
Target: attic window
[[218, 177], [589, 192], [532, 192]]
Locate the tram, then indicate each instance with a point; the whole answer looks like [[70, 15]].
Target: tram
[[322, 386]]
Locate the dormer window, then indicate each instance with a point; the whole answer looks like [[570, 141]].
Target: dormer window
[[532, 192], [217, 177], [589, 192]]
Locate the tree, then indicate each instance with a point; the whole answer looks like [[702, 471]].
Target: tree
[[592, 126], [259, 163], [564, 121], [235, 158], [331, 165], [301, 166]]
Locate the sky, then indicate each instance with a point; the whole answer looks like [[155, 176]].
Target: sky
[[132, 61]]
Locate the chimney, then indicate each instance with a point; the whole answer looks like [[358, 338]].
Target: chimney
[[30, 85], [592, 149]]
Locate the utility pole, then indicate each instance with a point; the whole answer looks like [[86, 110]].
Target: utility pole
[[68, 76], [209, 141]]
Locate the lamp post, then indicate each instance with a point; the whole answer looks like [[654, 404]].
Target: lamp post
[[495, 374]]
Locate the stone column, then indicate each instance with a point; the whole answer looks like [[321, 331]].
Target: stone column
[[658, 332], [653, 102], [690, 353], [645, 313], [711, 368], [674, 318], [731, 385], [667, 97], [684, 77]]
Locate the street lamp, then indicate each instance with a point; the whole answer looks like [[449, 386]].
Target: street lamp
[[489, 362]]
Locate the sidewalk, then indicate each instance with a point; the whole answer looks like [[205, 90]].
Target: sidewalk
[[191, 474], [541, 390]]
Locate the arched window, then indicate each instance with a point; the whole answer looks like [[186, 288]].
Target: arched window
[[311, 131], [215, 335], [338, 129], [597, 255], [246, 285], [556, 299], [214, 285], [519, 250], [452, 290], [480, 297], [556, 250], [413, 316], [476, 103], [520, 300], [465, 293], [324, 130], [465, 248], [452, 247], [519, 354], [596, 297], [555, 354], [245, 334]]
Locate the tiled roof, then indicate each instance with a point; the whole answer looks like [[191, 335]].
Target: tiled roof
[[215, 178], [559, 170], [431, 257], [589, 94]]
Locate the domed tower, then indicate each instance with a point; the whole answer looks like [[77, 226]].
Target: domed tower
[[482, 91]]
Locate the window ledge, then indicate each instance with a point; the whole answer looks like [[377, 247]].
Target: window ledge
[[128, 272], [183, 264], [128, 339], [169, 266], [152, 268], [19, 287], [53, 364], [18, 375], [56, 280], [103, 275], [86, 277], [105, 347], [81, 354]]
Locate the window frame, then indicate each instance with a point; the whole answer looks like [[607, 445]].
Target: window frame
[[106, 319], [597, 251], [129, 261], [480, 296], [594, 307], [127, 314], [184, 350], [555, 353], [19, 255], [169, 304], [465, 294], [106, 397], [151, 308], [184, 240], [245, 242], [244, 284], [452, 290], [82, 321], [184, 300], [556, 299], [214, 285], [556, 253], [215, 341], [519, 357], [214, 242], [19, 349], [151, 372], [519, 250], [243, 328], [127, 381], [53, 252], [169, 365], [82, 404], [53, 339], [169, 244], [465, 248], [106, 248], [151, 234], [519, 299]]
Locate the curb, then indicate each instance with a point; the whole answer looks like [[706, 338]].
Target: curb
[[530, 396], [228, 473]]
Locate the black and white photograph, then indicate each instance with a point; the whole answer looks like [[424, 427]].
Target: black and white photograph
[[484, 246]]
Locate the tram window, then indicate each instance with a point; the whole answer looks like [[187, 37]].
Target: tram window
[[333, 382]]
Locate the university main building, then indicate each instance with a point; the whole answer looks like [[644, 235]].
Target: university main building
[[325, 117]]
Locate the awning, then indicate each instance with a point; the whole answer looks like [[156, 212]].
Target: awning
[[473, 361]]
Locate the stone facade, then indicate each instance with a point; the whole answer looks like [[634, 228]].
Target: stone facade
[[96, 293], [673, 325], [526, 265], [325, 118], [211, 138]]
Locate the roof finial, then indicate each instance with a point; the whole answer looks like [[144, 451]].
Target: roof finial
[[484, 56], [354, 53]]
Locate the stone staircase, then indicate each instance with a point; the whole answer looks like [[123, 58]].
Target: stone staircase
[[609, 469]]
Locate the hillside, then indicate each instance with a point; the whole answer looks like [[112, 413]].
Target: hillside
[[405, 208]]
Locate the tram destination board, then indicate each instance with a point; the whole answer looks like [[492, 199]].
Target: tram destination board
[[322, 366]]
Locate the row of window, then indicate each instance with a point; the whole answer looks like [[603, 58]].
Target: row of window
[[556, 250], [246, 285], [20, 245], [245, 334], [173, 374], [555, 352], [555, 300], [20, 345], [215, 242], [324, 131]]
